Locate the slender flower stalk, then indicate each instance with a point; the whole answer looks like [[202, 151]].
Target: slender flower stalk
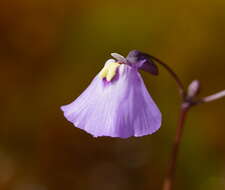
[[168, 183], [188, 101], [213, 97]]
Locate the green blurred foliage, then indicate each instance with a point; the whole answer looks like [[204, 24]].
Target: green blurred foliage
[[49, 53]]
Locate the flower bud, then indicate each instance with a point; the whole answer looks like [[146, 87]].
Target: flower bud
[[193, 89]]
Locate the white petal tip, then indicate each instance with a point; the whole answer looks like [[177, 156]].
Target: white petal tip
[[118, 57]]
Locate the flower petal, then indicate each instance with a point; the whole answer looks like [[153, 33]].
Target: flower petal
[[150, 67], [123, 108], [142, 61]]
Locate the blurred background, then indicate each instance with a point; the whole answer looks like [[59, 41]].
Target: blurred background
[[49, 53]]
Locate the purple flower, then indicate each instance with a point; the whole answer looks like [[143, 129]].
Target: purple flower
[[117, 103]]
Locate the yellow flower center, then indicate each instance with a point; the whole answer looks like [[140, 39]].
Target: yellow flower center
[[109, 71]]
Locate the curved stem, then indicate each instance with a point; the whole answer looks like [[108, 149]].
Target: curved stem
[[168, 182], [173, 74], [186, 104]]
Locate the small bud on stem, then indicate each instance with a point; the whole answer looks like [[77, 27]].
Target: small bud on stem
[[193, 89]]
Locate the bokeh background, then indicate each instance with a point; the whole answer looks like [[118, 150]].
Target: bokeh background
[[49, 53]]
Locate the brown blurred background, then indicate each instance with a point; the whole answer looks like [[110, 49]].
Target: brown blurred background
[[51, 50]]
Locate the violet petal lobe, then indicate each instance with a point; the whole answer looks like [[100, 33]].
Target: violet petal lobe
[[150, 67], [142, 61], [121, 108]]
